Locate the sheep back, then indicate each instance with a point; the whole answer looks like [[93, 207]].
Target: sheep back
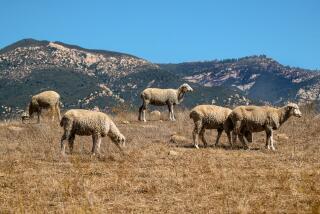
[[255, 118], [211, 116]]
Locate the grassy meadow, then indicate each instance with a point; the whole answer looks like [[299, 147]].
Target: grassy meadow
[[155, 175]]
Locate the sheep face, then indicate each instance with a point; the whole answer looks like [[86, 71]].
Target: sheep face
[[121, 140], [186, 88], [294, 110]]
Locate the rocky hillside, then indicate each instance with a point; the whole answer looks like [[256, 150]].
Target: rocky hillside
[[86, 78], [259, 77]]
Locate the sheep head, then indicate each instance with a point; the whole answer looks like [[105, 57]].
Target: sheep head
[[122, 140], [119, 139], [185, 88], [294, 110]]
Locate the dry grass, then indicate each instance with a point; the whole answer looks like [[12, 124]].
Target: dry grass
[[149, 178]]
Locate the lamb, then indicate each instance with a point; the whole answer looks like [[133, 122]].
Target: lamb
[[257, 119], [45, 100], [211, 117], [160, 97], [84, 122]]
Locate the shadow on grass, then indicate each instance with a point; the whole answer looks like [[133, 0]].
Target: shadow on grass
[[221, 146]]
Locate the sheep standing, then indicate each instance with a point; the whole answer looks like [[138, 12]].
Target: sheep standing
[[212, 117], [160, 97], [45, 100], [84, 122], [208, 117], [257, 119]]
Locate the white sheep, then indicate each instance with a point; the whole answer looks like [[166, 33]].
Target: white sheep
[[211, 117], [45, 100], [84, 122], [257, 119], [160, 97]]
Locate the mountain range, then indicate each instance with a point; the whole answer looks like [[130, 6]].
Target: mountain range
[[86, 78]]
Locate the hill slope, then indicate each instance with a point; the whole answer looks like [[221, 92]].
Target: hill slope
[[86, 78], [259, 77]]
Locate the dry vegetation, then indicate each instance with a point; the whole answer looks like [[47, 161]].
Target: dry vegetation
[[157, 176]]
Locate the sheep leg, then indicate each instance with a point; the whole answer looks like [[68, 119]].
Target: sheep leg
[[245, 146], [205, 143], [195, 133], [171, 114], [71, 142], [218, 136], [268, 134], [229, 138], [94, 144], [269, 140], [98, 145], [63, 146], [170, 117], [248, 136], [234, 138], [236, 131], [140, 113], [145, 104]]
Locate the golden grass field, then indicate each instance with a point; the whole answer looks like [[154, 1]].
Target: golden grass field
[[148, 178]]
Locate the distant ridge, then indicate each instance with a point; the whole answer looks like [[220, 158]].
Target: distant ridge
[[86, 78]]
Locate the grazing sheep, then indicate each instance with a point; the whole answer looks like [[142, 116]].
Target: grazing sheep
[[45, 100], [84, 122], [160, 97], [211, 117], [257, 119]]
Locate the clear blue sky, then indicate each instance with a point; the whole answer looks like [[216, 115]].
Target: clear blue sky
[[173, 30]]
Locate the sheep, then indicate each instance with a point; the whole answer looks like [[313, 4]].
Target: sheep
[[257, 119], [45, 100], [211, 117], [85, 122], [160, 97]]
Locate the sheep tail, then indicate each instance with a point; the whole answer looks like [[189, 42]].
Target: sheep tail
[[192, 114]]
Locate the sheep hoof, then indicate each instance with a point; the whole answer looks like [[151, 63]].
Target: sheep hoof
[[197, 147]]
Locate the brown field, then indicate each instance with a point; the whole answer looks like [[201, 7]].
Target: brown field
[[149, 178]]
